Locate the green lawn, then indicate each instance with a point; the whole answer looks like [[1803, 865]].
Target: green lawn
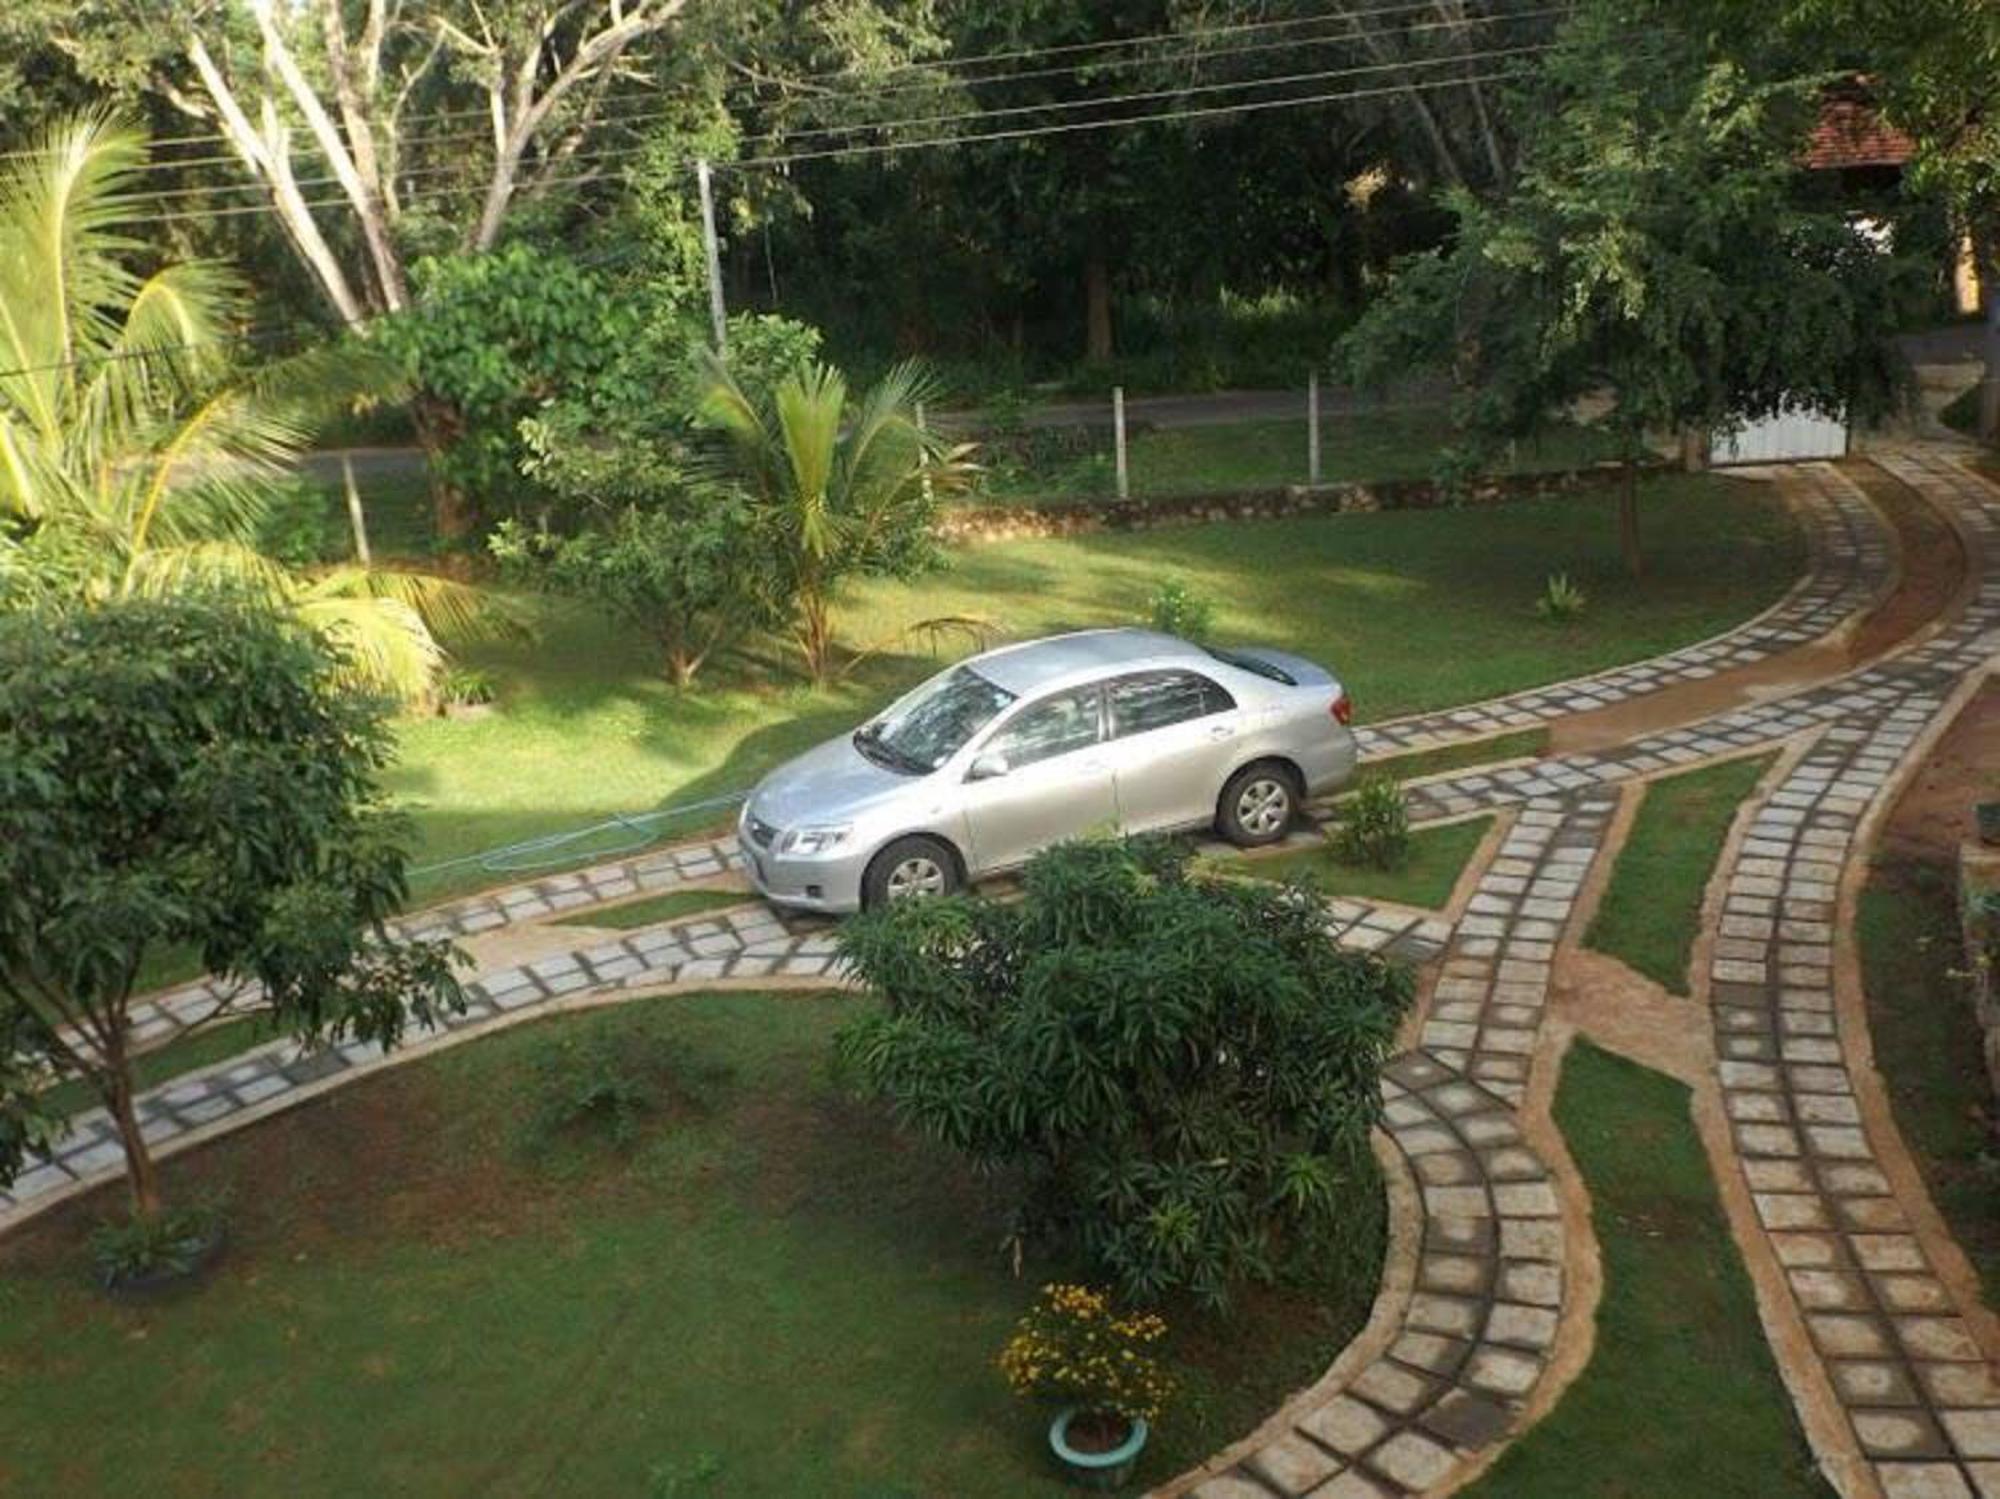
[[669, 907], [1927, 1047], [1651, 911], [1680, 1396], [770, 1289], [1524, 744], [1437, 858], [1386, 444], [1415, 609]]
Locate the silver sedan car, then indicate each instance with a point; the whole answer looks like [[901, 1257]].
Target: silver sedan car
[[1013, 750]]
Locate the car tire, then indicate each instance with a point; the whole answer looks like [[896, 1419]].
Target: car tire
[[1258, 804], [910, 868]]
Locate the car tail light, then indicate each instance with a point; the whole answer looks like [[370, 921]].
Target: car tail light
[[1343, 708]]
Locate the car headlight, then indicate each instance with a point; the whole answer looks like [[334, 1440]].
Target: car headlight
[[810, 841]]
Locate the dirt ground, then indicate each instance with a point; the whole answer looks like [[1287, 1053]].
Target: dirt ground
[[1931, 574], [1934, 814]]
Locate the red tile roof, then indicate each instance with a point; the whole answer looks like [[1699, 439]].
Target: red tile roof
[[1851, 134]]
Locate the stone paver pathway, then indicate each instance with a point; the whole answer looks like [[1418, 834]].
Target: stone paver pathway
[[1471, 1341]]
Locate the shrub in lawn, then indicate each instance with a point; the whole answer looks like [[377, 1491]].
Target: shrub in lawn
[[1177, 1074], [465, 687], [173, 1244], [605, 1081], [1374, 826], [1176, 609], [1561, 601]]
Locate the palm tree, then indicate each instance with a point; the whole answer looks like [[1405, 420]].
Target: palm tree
[[133, 459], [836, 493]]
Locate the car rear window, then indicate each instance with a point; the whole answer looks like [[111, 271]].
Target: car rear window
[[1243, 661]]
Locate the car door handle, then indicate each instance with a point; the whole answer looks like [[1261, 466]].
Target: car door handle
[[1222, 731]]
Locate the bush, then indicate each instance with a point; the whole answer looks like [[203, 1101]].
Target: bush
[[1374, 826], [1176, 609], [466, 687], [605, 1081], [168, 1244], [1072, 1347], [297, 527], [1561, 601], [1177, 1074]]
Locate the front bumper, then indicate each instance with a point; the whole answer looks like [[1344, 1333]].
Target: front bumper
[[830, 883]]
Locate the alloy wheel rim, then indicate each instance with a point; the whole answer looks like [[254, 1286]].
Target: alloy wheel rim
[[917, 876], [1264, 807]]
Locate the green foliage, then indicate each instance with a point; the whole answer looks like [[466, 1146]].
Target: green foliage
[[134, 458], [138, 1248], [495, 337], [467, 687], [1561, 601], [296, 527], [607, 1081], [190, 776], [1374, 825], [1659, 246], [1176, 609], [1181, 1072], [835, 490], [1073, 1346]]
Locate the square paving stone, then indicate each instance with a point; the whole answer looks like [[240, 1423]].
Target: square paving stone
[[1392, 1387], [1346, 1424], [1468, 1421], [1899, 1433], [1292, 1464], [1939, 1338], [1872, 1382], [1502, 1371], [1975, 1433], [1923, 1481], [1412, 1459]]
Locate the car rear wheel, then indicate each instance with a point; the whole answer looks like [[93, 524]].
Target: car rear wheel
[[1257, 805], [910, 869]]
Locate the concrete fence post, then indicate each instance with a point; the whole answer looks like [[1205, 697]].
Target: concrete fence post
[[1118, 437], [355, 517]]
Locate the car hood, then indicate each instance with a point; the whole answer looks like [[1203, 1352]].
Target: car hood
[[830, 783]]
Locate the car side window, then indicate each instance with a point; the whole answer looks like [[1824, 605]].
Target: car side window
[[1155, 699], [1055, 726]]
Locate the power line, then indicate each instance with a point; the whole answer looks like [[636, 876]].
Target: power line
[[1053, 106], [945, 65]]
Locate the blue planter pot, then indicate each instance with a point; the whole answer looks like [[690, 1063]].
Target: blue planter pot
[[1095, 1470]]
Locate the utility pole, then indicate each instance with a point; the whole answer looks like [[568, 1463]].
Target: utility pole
[[718, 314]]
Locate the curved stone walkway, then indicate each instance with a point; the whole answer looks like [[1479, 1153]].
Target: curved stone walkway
[[1851, 566], [1471, 1343]]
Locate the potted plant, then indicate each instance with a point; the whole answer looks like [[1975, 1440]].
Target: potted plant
[[1075, 1349]]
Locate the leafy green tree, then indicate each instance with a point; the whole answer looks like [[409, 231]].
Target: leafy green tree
[[188, 775], [134, 458], [1184, 1070], [1934, 65], [836, 489], [1658, 254]]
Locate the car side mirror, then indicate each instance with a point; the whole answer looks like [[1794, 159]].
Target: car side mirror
[[987, 767]]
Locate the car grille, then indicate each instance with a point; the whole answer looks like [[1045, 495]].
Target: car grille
[[762, 833]]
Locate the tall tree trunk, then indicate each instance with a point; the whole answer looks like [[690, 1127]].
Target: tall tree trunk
[[1628, 519], [1097, 345], [1986, 248], [814, 632], [142, 1173], [437, 425]]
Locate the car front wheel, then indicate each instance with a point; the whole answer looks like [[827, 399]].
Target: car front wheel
[[1257, 805], [909, 869]]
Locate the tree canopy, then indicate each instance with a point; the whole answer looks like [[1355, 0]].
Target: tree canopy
[[1183, 1070]]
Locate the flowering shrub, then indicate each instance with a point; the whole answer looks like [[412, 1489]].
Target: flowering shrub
[[1071, 1346]]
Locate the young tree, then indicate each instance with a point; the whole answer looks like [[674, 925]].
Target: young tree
[[836, 490], [1656, 251], [1185, 1070], [188, 776], [135, 458]]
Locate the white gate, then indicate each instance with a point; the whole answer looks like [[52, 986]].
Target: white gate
[[1796, 434]]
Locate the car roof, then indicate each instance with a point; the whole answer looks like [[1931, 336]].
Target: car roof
[[1037, 664]]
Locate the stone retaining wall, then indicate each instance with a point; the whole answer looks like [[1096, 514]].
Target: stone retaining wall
[[970, 524]]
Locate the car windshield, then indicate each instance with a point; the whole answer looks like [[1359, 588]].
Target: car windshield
[[925, 728]]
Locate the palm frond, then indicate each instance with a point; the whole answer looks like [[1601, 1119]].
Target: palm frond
[[382, 642], [166, 570], [449, 610]]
